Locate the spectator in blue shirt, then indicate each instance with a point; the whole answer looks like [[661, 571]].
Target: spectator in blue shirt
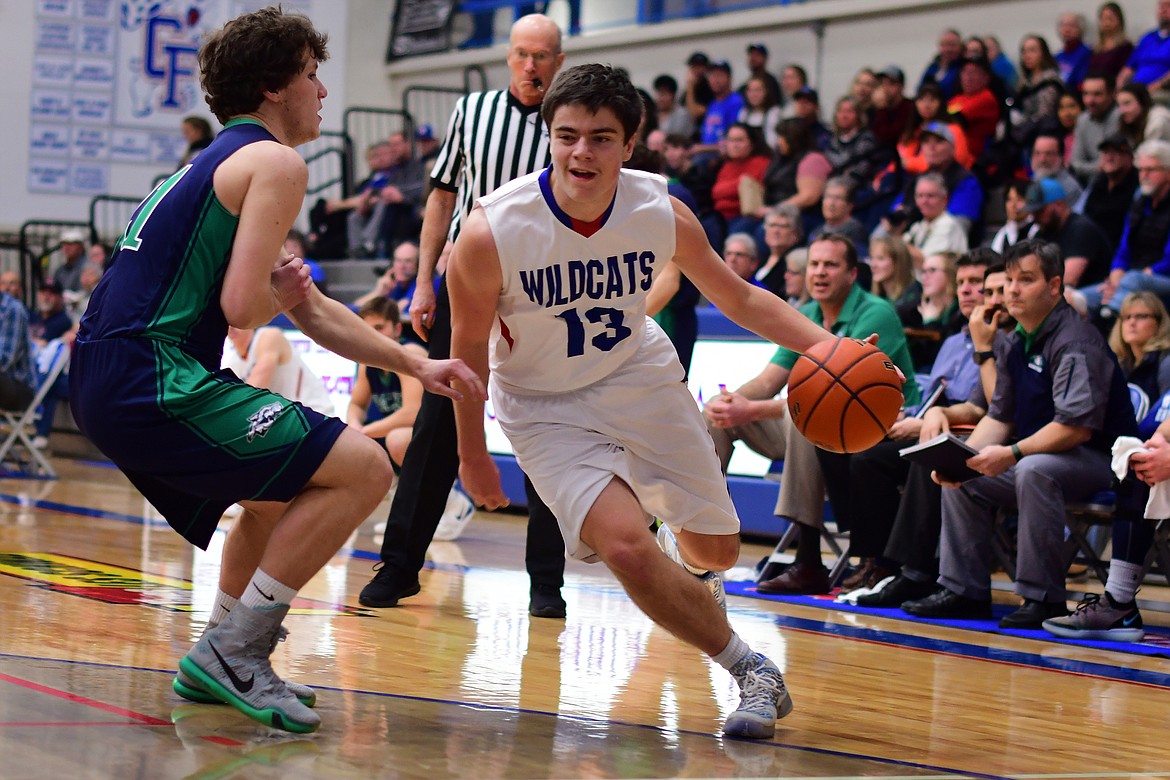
[[17, 378], [1142, 261], [944, 68], [723, 111], [1073, 58], [1150, 62]]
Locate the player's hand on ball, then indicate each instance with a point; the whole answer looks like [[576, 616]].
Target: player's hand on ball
[[481, 480], [440, 377], [873, 339], [291, 282]]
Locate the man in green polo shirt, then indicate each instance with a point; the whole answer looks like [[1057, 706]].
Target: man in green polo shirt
[[754, 414]]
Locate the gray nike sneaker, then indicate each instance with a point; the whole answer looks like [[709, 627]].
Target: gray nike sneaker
[[231, 662], [712, 580], [191, 690], [763, 699]]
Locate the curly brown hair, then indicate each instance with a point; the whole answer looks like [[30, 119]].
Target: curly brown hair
[[253, 54]]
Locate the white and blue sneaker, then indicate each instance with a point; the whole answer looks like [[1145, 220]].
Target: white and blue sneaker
[[456, 515], [763, 699]]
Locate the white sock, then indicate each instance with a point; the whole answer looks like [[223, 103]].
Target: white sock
[[736, 651], [224, 604], [1124, 580], [263, 592]]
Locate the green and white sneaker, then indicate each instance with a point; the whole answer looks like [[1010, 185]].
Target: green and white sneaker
[[191, 690], [231, 662], [1099, 617], [763, 699], [713, 580]]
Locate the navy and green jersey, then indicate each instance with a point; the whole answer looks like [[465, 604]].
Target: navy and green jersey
[[385, 393], [167, 270]]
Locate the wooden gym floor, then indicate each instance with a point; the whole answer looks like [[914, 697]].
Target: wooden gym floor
[[99, 600]]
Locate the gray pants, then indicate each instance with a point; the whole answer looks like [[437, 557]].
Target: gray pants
[[1037, 488], [802, 488]]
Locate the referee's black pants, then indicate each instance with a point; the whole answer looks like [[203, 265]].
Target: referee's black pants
[[429, 469]]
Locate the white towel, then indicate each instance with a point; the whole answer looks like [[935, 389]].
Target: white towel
[[1158, 506]]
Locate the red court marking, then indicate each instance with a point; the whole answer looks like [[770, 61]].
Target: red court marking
[[32, 686], [225, 741], [64, 724]]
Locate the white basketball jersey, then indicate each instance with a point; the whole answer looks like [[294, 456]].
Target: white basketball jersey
[[572, 308], [294, 380]]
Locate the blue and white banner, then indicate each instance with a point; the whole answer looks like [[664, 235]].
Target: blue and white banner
[[112, 81]]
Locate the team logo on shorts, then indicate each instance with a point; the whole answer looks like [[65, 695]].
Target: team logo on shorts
[[262, 420]]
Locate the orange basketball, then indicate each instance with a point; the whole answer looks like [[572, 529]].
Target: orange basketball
[[844, 394]]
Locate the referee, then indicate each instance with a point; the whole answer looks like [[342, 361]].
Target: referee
[[492, 138]]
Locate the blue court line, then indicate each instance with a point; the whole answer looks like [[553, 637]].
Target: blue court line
[[976, 652], [525, 711], [889, 638]]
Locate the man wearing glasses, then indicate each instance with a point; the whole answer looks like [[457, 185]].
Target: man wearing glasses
[[1142, 261]]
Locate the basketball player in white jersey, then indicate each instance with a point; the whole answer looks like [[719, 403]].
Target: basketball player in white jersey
[[548, 285], [264, 358]]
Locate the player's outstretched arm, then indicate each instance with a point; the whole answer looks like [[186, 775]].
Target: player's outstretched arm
[[331, 324], [752, 307], [474, 281]]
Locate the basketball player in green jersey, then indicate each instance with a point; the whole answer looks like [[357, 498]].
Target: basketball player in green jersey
[[200, 253]]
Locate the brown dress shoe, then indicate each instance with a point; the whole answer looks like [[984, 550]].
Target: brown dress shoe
[[799, 579], [868, 574]]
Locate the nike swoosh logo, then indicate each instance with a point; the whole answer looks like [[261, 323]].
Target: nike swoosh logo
[[262, 593], [241, 685], [1129, 620]]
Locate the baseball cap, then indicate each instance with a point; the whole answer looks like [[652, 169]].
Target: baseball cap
[[698, 58], [1116, 142], [808, 93], [73, 236], [940, 130], [425, 133], [52, 286], [722, 65], [761, 48], [893, 73], [1042, 193]]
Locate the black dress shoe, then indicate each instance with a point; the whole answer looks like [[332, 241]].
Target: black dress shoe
[[798, 579], [1033, 614], [946, 604], [899, 590], [545, 602]]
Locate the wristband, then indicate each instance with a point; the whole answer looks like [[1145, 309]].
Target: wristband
[[1016, 452]]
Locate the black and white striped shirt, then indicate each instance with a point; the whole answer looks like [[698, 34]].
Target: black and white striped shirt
[[492, 138]]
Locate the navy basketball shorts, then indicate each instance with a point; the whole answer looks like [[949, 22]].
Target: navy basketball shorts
[[193, 441]]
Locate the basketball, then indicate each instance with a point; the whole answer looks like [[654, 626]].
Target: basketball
[[844, 394]]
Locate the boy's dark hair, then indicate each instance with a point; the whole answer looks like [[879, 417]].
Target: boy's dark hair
[[386, 308], [644, 159], [997, 267], [253, 54], [980, 255], [666, 83], [595, 87], [1051, 262]]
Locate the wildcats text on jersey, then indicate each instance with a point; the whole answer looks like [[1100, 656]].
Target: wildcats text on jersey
[[615, 277]]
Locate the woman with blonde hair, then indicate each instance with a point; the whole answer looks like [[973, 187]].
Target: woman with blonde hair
[[893, 276], [1141, 340], [938, 311]]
